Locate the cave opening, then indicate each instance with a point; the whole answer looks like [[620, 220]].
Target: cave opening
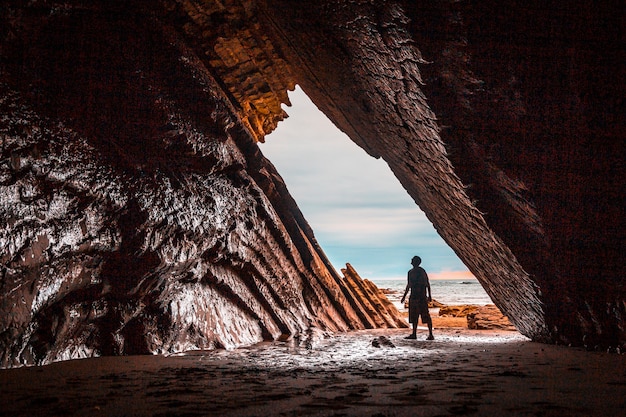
[[358, 210]]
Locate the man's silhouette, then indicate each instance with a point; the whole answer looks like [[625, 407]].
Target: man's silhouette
[[419, 298]]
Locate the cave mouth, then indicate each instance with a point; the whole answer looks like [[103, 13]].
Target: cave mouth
[[355, 205], [361, 214]]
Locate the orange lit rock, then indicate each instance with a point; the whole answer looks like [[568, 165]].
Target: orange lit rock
[[228, 37], [488, 317]]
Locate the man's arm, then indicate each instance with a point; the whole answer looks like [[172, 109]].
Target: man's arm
[[428, 294], [406, 291]]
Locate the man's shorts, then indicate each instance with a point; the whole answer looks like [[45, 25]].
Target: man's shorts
[[418, 308]]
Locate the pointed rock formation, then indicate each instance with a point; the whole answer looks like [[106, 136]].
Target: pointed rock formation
[[370, 302]]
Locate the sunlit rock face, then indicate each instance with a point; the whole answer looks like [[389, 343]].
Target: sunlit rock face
[[137, 213], [505, 122]]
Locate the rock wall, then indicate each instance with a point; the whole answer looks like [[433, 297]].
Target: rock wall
[[137, 214], [505, 122]]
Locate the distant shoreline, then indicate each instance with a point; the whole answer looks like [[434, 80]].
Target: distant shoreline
[[448, 292], [435, 276]]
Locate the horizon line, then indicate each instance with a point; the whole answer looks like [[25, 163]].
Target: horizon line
[[433, 276]]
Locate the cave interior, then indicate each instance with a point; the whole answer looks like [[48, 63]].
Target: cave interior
[[138, 215]]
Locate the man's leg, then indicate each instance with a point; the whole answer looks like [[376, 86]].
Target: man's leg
[[414, 334], [412, 308], [428, 321], [430, 330]]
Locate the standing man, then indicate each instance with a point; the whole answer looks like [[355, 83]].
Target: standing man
[[420, 296]]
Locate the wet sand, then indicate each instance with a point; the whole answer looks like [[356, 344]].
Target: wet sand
[[461, 372]]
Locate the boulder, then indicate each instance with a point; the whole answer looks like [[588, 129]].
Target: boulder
[[457, 310], [488, 317]]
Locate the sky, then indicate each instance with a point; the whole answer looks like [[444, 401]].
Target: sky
[[359, 212]]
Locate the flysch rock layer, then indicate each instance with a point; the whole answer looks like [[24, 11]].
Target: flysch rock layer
[[137, 214]]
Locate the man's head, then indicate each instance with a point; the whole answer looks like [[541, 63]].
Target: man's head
[[416, 260]]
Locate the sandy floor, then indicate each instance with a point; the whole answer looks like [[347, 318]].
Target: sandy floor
[[462, 372]]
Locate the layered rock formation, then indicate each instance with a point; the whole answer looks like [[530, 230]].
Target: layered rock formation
[[374, 308], [139, 216]]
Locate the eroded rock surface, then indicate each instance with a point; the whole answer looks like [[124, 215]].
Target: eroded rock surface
[[138, 215]]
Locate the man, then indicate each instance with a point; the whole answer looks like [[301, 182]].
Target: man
[[420, 296]]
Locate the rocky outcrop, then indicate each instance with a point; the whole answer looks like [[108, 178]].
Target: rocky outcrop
[[137, 212], [373, 306], [488, 317], [457, 310]]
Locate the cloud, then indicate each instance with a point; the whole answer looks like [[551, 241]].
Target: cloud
[[372, 226], [358, 210]]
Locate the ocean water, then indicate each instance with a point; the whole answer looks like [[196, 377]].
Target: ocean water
[[446, 291]]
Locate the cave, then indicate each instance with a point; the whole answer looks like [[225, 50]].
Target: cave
[[139, 216]]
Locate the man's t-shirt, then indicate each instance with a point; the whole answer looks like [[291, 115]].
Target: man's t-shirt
[[418, 280]]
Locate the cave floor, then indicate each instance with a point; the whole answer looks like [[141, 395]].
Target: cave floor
[[462, 372]]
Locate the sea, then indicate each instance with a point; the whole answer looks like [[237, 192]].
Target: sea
[[446, 291]]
